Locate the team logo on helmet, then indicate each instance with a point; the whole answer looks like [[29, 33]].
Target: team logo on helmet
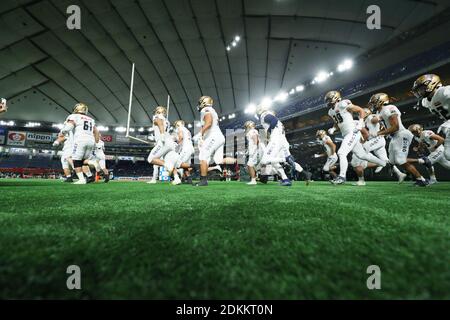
[[332, 97], [377, 101], [204, 102], [416, 129], [81, 108], [160, 110], [249, 125], [179, 123], [425, 85]]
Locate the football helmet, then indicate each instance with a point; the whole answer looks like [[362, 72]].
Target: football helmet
[[332, 97], [377, 101], [320, 134], [160, 110], [80, 108], [179, 123], [249, 125], [204, 102], [425, 85], [416, 129]]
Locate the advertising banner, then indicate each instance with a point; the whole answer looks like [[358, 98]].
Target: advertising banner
[[16, 138]]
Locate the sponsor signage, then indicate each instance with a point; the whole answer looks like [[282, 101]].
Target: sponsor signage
[[107, 138], [16, 138], [41, 137]]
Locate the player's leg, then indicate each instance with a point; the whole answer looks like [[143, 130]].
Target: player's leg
[[77, 158], [206, 151], [347, 145], [358, 149]]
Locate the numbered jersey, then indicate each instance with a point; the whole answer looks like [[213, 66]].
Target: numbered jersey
[[342, 117], [156, 130], [84, 127], [373, 128], [187, 137], [324, 142], [440, 103], [426, 139], [386, 113], [215, 129]]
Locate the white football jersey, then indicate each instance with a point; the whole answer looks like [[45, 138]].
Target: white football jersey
[[214, 129], [251, 134], [425, 138], [100, 146], [342, 117], [84, 126], [187, 137], [388, 111], [68, 143], [156, 131], [440, 103], [323, 142], [373, 128]]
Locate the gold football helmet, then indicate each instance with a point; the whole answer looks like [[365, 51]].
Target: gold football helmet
[[332, 97], [320, 134], [204, 102], [416, 129], [249, 125], [179, 123], [377, 101], [80, 108], [160, 110], [425, 85]]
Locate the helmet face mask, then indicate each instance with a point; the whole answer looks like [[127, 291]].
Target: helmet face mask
[[416, 129], [249, 125], [160, 111], [179, 124], [332, 97], [80, 108], [204, 101], [425, 85], [377, 101]]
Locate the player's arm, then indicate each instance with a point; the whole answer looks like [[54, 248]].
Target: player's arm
[[393, 121], [160, 124], [439, 139], [333, 129], [96, 134], [68, 126], [61, 138], [180, 136], [360, 111], [332, 146], [208, 119]]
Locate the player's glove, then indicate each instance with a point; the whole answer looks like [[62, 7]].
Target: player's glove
[[56, 143], [331, 131], [360, 124]]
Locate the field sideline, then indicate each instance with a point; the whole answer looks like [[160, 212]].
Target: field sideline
[[227, 241]]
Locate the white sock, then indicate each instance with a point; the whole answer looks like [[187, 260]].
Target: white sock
[[396, 171], [361, 179], [421, 161], [155, 172], [343, 163], [81, 176], [433, 177], [421, 178], [88, 173]]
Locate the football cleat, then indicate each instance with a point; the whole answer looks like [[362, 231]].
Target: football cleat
[[90, 179], [427, 162], [107, 178], [152, 181], [203, 183], [68, 179], [421, 183], [402, 178], [433, 181], [359, 184], [286, 183], [252, 183], [176, 181], [339, 181], [80, 182], [379, 169]]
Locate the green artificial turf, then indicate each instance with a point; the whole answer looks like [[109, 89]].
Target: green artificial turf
[[227, 241]]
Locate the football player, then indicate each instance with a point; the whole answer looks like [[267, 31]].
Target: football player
[[277, 149], [210, 139], [66, 160], [436, 98], [341, 111], [377, 144], [330, 153], [3, 106], [434, 143], [185, 147], [85, 136], [391, 119], [255, 150], [98, 159], [154, 175]]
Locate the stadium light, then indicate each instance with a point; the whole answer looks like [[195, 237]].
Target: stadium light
[[189, 125], [141, 129], [58, 125], [251, 108], [321, 77], [346, 65], [102, 128], [121, 129], [299, 88], [266, 102], [32, 124], [282, 96], [7, 123], [234, 43], [237, 38], [228, 48]]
